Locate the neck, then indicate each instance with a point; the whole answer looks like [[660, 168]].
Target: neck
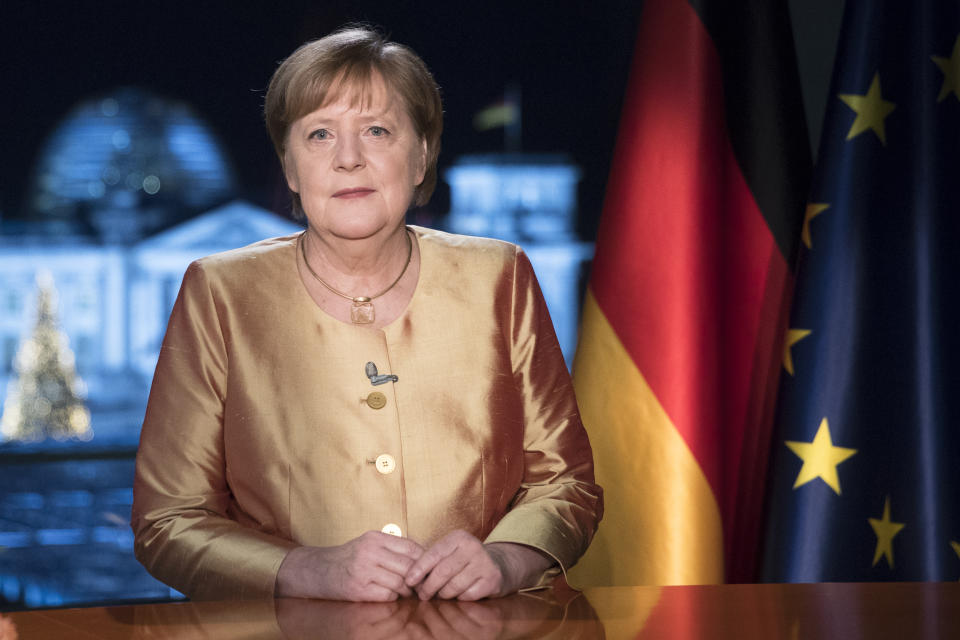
[[359, 266]]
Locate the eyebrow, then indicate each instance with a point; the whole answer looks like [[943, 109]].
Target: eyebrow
[[313, 119]]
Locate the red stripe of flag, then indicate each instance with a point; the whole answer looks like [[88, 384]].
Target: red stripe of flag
[[696, 295]]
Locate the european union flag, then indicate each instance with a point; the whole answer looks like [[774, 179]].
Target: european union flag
[[866, 458]]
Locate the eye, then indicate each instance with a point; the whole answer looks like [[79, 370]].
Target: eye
[[320, 134], [378, 131]]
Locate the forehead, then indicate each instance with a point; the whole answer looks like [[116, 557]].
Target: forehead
[[363, 94]]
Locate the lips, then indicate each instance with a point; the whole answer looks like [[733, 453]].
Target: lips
[[353, 192]]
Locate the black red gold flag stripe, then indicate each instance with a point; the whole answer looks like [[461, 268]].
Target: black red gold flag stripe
[[685, 312]]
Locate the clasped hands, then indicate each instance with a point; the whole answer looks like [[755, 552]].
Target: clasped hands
[[377, 567]]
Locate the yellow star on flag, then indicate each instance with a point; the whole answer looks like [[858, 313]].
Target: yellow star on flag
[[951, 72], [871, 109], [820, 458], [793, 337], [813, 210], [885, 530]]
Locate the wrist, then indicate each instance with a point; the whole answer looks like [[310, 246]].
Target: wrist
[[288, 583], [520, 566], [301, 574]]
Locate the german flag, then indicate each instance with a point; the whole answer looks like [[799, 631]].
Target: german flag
[[681, 341]]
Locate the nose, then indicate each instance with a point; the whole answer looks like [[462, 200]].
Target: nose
[[349, 153]]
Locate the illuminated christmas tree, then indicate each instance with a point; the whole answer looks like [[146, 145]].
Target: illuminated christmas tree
[[45, 399]]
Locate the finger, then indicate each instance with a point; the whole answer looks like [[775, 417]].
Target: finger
[[446, 570], [392, 581], [403, 546], [460, 582], [404, 591], [425, 565], [484, 587], [394, 562], [481, 567], [431, 558], [374, 592], [375, 564]]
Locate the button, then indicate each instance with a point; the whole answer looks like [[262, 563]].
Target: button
[[385, 463], [392, 529], [376, 400]]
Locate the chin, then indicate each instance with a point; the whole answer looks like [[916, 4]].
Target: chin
[[358, 229]]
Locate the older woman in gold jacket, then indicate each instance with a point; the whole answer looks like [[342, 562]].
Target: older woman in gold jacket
[[365, 410]]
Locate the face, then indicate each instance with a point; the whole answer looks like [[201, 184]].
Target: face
[[355, 164]]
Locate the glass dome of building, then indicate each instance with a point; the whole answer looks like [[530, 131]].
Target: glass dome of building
[[124, 165]]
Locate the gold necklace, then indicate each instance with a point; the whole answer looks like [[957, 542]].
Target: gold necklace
[[361, 311]]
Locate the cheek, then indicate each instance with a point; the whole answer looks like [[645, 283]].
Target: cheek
[[290, 173], [415, 170], [420, 163]]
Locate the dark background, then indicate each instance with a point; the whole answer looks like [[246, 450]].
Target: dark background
[[571, 60]]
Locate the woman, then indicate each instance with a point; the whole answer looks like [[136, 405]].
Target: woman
[[366, 410]]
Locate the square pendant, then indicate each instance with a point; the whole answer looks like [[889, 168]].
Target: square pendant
[[362, 313]]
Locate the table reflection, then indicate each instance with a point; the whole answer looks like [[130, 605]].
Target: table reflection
[[780, 611], [745, 612], [545, 614]]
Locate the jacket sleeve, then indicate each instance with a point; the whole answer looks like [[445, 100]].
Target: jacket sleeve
[[558, 506], [183, 534]]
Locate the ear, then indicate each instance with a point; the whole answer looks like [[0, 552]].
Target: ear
[[421, 163], [290, 172]]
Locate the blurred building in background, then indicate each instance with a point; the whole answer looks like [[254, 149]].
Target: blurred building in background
[[123, 197], [128, 190], [531, 200]]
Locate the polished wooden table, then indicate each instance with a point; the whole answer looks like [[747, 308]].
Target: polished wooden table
[[789, 611]]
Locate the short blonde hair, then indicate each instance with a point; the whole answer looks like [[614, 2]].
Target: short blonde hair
[[352, 57]]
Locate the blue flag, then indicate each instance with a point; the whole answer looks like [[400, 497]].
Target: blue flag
[[865, 480]]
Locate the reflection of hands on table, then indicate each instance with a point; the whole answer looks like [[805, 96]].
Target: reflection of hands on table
[[369, 568], [517, 616], [300, 618], [442, 619]]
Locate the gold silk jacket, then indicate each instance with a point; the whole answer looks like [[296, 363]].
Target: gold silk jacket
[[261, 434]]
